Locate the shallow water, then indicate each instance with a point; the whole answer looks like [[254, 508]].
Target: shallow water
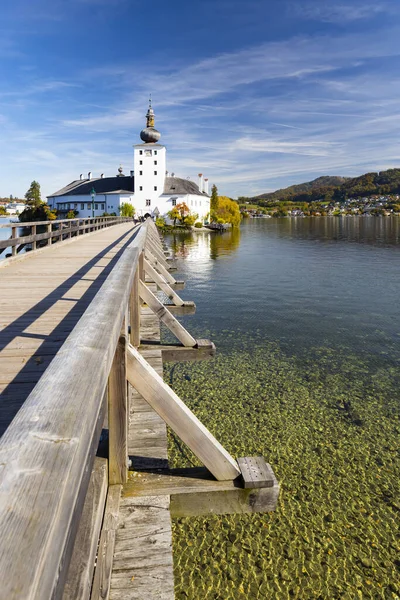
[[306, 318]]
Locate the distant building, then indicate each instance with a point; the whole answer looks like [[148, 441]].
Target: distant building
[[15, 208], [149, 187]]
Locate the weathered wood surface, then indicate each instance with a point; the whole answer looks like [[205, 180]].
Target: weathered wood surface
[[143, 565], [47, 452], [104, 566], [165, 316], [41, 301], [256, 473], [179, 417], [195, 491], [80, 573], [118, 414]]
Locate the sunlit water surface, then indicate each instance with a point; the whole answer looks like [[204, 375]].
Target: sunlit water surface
[[305, 314]]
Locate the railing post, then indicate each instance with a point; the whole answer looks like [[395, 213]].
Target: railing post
[[118, 413], [135, 305], [33, 232], [48, 227], [13, 236]]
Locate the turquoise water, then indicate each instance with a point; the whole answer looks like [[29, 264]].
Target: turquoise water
[[306, 319]]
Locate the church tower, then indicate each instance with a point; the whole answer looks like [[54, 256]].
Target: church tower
[[149, 161]]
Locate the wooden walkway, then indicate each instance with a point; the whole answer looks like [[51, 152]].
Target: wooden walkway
[[41, 300], [80, 349]]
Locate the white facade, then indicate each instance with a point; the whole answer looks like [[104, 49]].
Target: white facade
[[148, 187]]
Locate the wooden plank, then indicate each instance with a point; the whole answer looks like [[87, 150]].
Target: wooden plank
[[256, 473], [195, 492], [118, 415], [134, 311], [172, 353], [178, 416], [143, 563], [102, 574], [47, 452], [80, 574], [165, 316]]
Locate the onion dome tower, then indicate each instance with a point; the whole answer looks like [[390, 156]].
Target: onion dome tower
[[149, 134]]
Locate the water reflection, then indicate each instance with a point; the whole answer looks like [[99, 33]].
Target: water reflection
[[201, 246]]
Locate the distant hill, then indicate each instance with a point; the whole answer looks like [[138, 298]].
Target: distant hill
[[336, 188], [316, 184]]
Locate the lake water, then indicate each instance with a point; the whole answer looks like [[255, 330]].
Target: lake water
[[5, 233], [305, 314]]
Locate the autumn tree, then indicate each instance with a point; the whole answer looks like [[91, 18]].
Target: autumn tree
[[174, 214], [228, 211]]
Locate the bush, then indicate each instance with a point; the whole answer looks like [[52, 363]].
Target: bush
[[198, 225], [160, 222]]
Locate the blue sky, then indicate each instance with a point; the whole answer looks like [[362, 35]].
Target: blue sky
[[256, 95]]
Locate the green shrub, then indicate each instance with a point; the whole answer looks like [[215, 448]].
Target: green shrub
[[198, 225]]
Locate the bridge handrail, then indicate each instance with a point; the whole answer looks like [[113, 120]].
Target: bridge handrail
[[47, 453], [53, 230]]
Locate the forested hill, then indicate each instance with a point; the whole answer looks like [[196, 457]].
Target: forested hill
[[336, 188], [303, 188]]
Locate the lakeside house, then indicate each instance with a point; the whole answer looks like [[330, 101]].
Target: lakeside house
[[149, 187]]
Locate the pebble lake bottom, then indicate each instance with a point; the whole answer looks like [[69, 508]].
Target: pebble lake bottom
[[305, 314]]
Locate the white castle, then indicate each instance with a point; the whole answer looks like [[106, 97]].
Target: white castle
[[148, 187]]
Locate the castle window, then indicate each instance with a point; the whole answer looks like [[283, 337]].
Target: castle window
[[140, 162], [155, 188], [96, 207], [102, 206], [147, 152], [155, 152], [82, 206], [140, 151], [155, 172], [173, 202], [140, 188], [89, 206], [140, 172], [148, 202], [155, 162]]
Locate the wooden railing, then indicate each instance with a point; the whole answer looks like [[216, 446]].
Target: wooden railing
[[48, 451], [54, 231]]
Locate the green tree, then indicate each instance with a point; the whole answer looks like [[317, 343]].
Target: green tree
[[228, 211], [32, 196], [3, 210], [36, 209], [214, 203], [71, 214], [127, 210]]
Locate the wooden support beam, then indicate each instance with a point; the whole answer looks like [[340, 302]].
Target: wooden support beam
[[178, 416], [160, 268], [189, 308], [256, 473], [102, 575], [162, 284], [195, 492], [158, 254], [177, 353], [80, 574], [118, 414], [165, 316]]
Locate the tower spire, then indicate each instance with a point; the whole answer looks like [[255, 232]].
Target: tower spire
[[150, 135]]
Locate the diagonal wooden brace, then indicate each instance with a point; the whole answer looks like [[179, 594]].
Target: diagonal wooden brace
[[159, 267], [162, 284], [179, 417], [165, 316]]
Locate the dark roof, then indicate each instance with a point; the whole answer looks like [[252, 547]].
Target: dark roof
[[101, 186], [176, 185]]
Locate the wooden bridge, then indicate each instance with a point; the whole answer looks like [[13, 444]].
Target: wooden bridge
[[86, 495]]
